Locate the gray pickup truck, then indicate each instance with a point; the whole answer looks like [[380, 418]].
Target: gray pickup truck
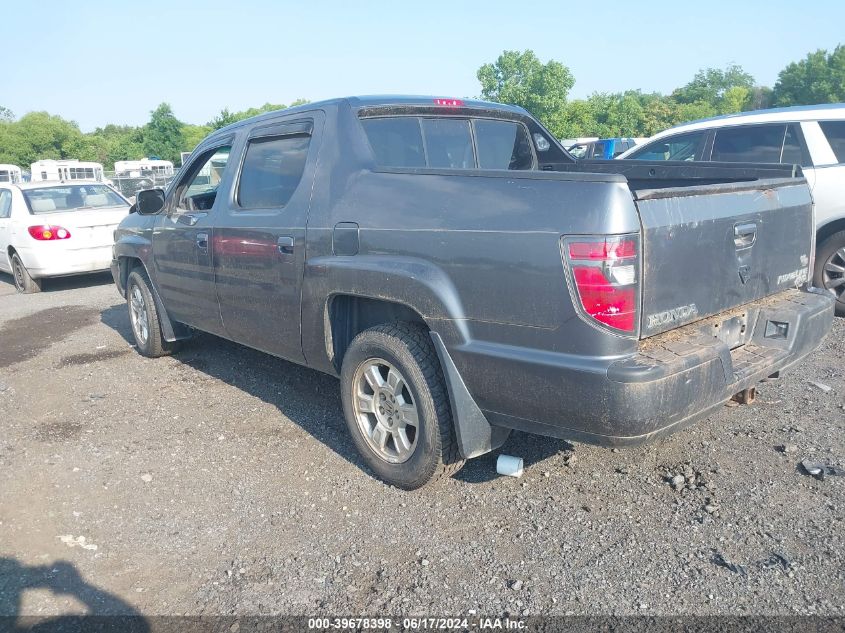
[[463, 276]]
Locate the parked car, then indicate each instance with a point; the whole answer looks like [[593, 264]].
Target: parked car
[[605, 148], [811, 136], [463, 276], [57, 229]]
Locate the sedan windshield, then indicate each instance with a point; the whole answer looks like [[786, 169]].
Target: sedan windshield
[[71, 198]]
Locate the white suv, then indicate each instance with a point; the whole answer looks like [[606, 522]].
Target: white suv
[[811, 136]]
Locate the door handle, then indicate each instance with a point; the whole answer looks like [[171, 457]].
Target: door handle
[[285, 244], [745, 235], [202, 241]]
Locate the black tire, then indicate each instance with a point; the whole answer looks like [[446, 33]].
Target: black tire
[[24, 283], [153, 344], [409, 349], [831, 253]]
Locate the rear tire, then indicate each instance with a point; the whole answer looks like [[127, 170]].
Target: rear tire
[[830, 269], [24, 282], [144, 318], [397, 407]]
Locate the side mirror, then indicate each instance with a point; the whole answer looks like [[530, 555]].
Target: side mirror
[[149, 201]]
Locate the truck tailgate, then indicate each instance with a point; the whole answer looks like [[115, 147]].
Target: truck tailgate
[[710, 248]]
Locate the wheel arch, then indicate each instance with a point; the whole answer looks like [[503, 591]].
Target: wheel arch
[[825, 231]]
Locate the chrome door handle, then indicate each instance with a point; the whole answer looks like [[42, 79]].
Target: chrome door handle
[[285, 245], [202, 241]]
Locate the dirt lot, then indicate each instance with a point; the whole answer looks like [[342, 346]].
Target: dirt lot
[[222, 481]]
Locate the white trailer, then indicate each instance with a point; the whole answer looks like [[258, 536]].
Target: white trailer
[[138, 168], [10, 173], [64, 170]]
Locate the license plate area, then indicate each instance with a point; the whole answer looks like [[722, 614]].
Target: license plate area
[[732, 332]]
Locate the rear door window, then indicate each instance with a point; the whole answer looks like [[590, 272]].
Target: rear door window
[[835, 133], [272, 169], [793, 151], [5, 203], [749, 144], [680, 147]]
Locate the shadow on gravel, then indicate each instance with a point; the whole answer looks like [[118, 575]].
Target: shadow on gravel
[[311, 399], [63, 580], [533, 449], [307, 397], [57, 284]]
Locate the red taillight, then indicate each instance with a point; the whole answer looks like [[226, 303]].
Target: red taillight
[[47, 232], [604, 275], [453, 103]]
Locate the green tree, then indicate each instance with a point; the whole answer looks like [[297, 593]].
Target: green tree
[[162, 136], [818, 78], [226, 117], [522, 79], [6, 114], [711, 85]]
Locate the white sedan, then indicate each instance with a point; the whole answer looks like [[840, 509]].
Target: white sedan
[[57, 229]]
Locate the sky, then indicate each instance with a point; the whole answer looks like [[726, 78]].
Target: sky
[[98, 62]]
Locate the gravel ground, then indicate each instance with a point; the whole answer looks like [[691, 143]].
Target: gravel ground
[[222, 481]]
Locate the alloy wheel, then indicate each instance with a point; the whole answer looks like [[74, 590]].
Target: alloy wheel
[[138, 315], [833, 274], [385, 410]]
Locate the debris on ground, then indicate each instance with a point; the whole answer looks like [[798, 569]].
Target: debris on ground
[[509, 465], [720, 560], [788, 448], [820, 470], [776, 560], [820, 385]]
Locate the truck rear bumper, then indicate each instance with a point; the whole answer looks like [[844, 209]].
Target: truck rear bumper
[[674, 378]]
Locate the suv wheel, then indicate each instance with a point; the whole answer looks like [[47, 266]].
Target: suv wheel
[[396, 406], [143, 316], [830, 269], [24, 283]]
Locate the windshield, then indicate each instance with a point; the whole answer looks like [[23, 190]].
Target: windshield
[[71, 197]]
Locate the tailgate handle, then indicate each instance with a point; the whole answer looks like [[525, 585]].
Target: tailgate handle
[[745, 235]]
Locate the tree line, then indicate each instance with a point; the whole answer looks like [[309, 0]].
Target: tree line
[[40, 135], [516, 77], [521, 78]]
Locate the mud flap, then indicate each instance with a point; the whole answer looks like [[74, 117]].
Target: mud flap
[[476, 436]]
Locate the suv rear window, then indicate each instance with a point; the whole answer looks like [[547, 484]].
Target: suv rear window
[[448, 143], [835, 133]]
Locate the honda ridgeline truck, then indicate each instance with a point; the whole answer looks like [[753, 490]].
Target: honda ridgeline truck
[[463, 276]]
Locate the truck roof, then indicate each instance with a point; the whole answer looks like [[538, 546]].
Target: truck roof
[[365, 101]]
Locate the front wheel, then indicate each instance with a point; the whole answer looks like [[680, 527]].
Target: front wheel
[[830, 269], [397, 407], [24, 282], [143, 315]]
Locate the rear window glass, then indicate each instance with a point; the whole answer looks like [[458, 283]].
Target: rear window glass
[[448, 143], [71, 198], [272, 170], [503, 145], [835, 133], [751, 144], [680, 147], [396, 142]]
